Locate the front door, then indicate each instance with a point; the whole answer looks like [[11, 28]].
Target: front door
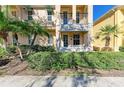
[[65, 17], [65, 40]]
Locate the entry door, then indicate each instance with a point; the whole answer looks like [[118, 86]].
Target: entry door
[[65, 40], [65, 17]]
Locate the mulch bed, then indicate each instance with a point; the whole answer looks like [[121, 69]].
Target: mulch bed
[[4, 62]]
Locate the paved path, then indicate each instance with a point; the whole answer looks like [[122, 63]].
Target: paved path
[[60, 81]]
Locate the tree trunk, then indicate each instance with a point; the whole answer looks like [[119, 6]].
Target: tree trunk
[[17, 46], [32, 43], [20, 52], [107, 43]]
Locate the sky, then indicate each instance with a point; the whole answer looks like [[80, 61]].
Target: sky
[[99, 10]]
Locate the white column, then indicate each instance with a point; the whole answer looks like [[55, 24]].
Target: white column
[[74, 12], [57, 13], [90, 28], [90, 18]]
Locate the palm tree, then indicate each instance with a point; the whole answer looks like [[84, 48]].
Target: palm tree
[[17, 26], [36, 29], [28, 28], [11, 25], [107, 31], [3, 26], [1, 42]]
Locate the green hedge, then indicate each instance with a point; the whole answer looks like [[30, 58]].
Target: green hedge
[[38, 48], [11, 49], [121, 48], [62, 60], [34, 48]]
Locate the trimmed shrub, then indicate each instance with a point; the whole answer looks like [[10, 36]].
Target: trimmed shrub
[[24, 48], [38, 48], [121, 48], [11, 49], [42, 61], [106, 49], [73, 60], [96, 48]]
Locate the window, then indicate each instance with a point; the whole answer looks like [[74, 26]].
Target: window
[[65, 40], [15, 39], [30, 13], [29, 39], [76, 39], [65, 17], [77, 17], [49, 16], [50, 40], [14, 13]]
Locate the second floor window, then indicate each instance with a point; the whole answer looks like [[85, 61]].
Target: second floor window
[[49, 16], [77, 17], [30, 13], [65, 17]]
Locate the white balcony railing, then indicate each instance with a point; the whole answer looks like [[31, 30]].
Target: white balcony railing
[[74, 27], [68, 24], [76, 48]]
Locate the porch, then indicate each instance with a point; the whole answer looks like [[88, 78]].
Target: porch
[[74, 41]]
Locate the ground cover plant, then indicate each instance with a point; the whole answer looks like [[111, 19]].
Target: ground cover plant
[[74, 60]]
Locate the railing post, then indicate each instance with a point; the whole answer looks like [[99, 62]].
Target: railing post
[[74, 12]]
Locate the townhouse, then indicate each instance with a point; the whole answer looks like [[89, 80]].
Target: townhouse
[[69, 26], [115, 16]]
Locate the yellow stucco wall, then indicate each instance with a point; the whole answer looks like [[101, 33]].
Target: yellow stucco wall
[[112, 19], [96, 29]]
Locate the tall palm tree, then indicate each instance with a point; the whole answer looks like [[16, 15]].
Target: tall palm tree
[[3, 27], [11, 25], [107, 31], [36, 29]]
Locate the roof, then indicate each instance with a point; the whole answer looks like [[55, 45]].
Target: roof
[[109, 13]]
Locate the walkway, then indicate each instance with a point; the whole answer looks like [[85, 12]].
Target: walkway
[[60, 81]]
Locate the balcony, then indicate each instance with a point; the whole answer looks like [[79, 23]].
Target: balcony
[[68, 24], [73, 27]]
